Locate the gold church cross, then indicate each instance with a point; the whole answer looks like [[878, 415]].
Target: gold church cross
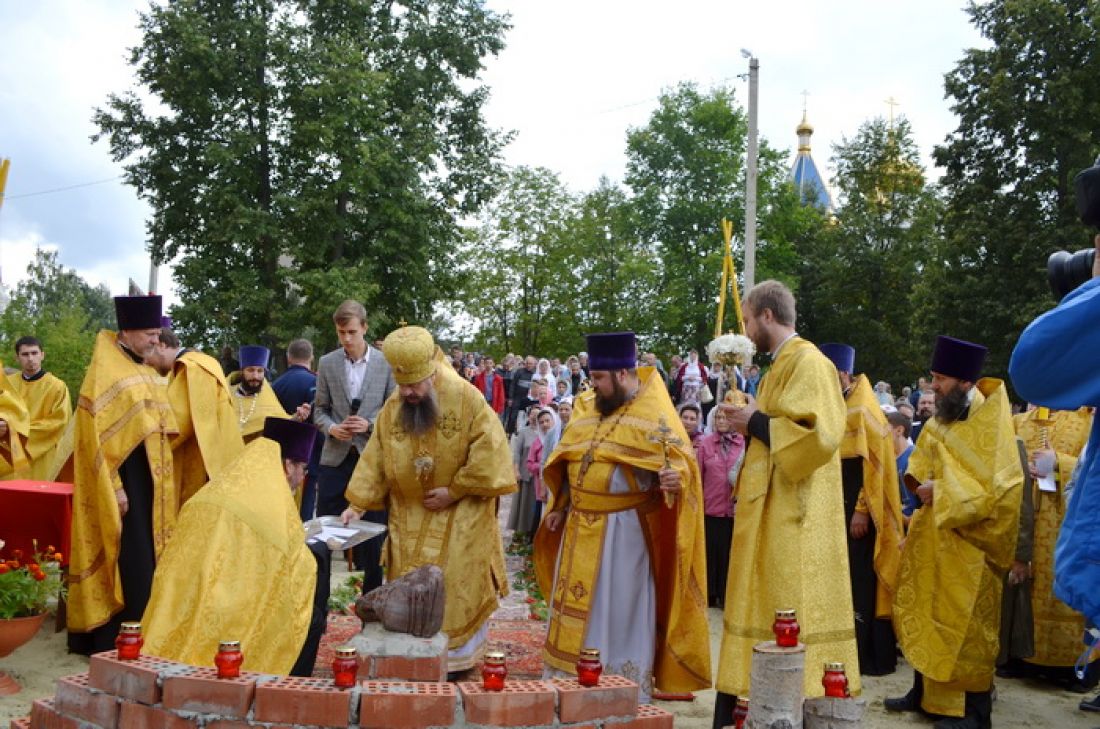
[[665, 436]]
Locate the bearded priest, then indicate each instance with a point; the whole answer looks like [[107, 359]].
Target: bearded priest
[[253, 397]]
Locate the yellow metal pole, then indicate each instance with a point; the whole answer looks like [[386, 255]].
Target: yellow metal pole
[[5, 164], [727, 229]]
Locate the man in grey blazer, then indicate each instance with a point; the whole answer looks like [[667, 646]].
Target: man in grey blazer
[[353, 382]]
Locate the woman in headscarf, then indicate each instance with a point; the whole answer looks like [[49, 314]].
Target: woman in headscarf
[[719, 454], [521, 519], [691, 379], [543, 374], [549, 432]]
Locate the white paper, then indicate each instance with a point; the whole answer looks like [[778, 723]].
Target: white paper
[[331, 532], [1046, 483]]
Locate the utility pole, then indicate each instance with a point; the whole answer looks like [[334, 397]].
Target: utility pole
[[750, 172]]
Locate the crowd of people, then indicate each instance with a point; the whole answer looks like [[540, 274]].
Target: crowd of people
[[923, 525]]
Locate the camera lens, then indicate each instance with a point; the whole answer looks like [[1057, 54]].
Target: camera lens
[[1066, 271]]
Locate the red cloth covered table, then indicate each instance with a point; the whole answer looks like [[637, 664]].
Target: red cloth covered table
[[32, 510]]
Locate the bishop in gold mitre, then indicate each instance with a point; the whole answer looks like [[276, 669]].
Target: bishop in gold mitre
[[623, 569], [967, 472], [253, 397], [49, 408], [439, 460], [209, 437], [124, 498], [872, 513]]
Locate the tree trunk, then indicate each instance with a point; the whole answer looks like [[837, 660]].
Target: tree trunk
[[776, 693], [827, 713]]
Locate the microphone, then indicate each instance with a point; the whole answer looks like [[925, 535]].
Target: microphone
[[355, 406]]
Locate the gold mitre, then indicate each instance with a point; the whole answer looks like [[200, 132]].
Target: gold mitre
[[411, 353]]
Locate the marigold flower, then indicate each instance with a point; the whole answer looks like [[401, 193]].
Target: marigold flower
[[4, 569], [39, 576], [58, 557]]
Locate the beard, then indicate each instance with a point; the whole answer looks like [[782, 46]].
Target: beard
[[951, 406], [251, 387], [419, 417], [610, 403]]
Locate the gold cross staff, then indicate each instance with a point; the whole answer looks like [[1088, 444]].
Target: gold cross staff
[[666, 438]]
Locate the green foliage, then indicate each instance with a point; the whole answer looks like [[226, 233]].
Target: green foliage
[[1027, 107], [346, 594], [26, 587], [63, 311], [289, 148], [859, 272]]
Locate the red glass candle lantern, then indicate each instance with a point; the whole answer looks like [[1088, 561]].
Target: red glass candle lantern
[[345, 667], [785, 629], [229, 659], [740, 712], [589, 667], [835, 681], [129, 642], [493, 671]]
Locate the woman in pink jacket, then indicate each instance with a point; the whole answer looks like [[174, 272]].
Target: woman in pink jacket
[[719, 454]]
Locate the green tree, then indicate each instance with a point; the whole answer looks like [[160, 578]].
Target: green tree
[[861, 270], [1028, 106], [686, 169], [287, 145], [64, 312]]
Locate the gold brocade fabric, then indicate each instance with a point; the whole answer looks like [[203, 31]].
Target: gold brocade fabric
[[867, 436], [49, 409], [948, 604], [122, 404], [14, 462], [237, 568], [674, 535], [789, 537], [209, 437], [1058, 628], [251, 411], [467, 452]]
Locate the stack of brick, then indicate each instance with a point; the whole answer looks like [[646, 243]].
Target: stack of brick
[[151, 693]]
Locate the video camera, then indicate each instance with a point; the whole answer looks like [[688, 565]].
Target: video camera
[[1066, 271]]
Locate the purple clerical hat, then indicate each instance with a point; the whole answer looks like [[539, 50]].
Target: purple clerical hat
[[253, 355], [958, 358], [138, 312], [612, 351], [841, 355], [295, 439]]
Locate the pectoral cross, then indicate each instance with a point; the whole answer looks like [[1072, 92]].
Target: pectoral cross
[[665, 436]]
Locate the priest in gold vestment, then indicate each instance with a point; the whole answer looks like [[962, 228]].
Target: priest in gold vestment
[[238, 566], [253, 398], [1050, 644], [620, 554], [438, 459], [967, 473], [209, 437], [15, 427], [124, 499], [872, 510], [48, 406], [789, 536]]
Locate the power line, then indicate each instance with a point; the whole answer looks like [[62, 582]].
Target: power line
[[60, 189]]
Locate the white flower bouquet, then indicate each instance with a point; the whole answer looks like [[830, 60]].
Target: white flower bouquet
[[732, 350]]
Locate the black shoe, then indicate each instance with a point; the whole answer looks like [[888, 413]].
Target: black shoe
[[1090, 705], [909, 702], [962, 722]]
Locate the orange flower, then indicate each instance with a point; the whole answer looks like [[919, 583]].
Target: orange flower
[[39, 576], [57, 557], [50, 549], [4, 569], [13, 564]]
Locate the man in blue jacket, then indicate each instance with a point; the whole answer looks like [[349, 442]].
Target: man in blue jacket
[[295, 388]]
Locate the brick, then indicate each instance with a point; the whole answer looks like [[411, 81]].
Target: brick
[[139, 716], [44, 715], [20, 723], [402, 668], [135, 680], [75, 697], [649, 717], [406, 704], [242, 724], [303, 701], [614, 697], [201, 691], [521, 703]]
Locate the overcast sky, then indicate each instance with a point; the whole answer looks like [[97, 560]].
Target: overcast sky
[[574, 77]]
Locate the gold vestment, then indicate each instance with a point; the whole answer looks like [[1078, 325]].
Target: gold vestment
[[252, 410], [210, 436], [14, 462], [868, 438], [674, 536], [50, 409], [237, 568], [1058, 628], [789, 537], [466, 452], [947, 611], [122, 405]]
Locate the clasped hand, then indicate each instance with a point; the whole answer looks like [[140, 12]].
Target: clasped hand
[[346, 430], [738, 417]]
